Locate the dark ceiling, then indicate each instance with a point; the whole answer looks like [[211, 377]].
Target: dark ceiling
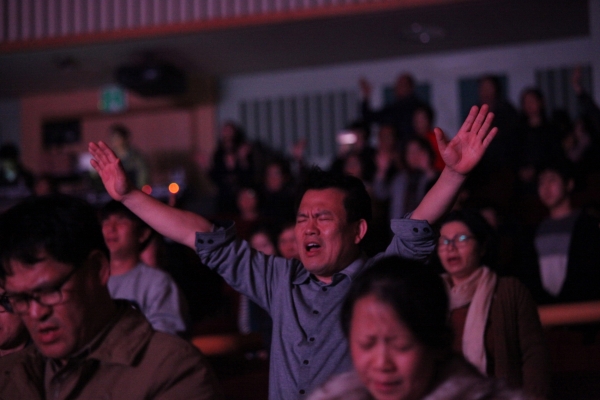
[[322, 41]]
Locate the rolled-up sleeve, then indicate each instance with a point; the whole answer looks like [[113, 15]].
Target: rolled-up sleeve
[[246, 270], [412, 239]]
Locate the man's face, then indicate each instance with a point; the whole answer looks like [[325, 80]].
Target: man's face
[[60, 330], [326, 242], [552, 189], [122, 236], [12, 330]]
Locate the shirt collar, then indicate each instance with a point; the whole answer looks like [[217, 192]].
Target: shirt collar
[[303, 276]]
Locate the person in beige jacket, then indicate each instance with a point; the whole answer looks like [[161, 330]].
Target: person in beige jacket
[[54, 268]]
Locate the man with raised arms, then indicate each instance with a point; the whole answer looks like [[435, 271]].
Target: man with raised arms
[[304, 296]]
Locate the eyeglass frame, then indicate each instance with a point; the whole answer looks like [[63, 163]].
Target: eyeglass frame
[[5, 305], [458, 241], [54, 290]]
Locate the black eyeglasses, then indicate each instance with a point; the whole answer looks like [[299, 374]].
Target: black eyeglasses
[[5, 305], [456, 241], [18, 303]]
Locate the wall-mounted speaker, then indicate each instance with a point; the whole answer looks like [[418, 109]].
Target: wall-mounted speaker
[[152, 79]]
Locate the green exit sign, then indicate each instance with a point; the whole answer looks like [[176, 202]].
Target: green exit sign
[[112, 99]]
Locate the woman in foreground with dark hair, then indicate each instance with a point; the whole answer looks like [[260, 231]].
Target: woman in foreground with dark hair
[[396, 320]]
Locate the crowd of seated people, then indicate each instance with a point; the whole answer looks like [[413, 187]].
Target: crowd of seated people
[[543, 218]]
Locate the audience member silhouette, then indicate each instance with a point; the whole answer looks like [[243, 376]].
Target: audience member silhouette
[[566, 242], [399, 113], [133, 161]]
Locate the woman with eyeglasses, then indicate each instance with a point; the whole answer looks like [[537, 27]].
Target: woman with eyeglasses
[[495, 321]]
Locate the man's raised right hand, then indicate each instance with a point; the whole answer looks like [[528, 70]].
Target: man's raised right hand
[[109, 167]]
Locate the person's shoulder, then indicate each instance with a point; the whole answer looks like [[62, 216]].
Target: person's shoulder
[[173, 366], [511, 290], [511, 284], [21, 356], [163, 344], [28, 357], [153, 274], [459, 380]]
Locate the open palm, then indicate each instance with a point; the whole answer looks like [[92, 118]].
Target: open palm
[[464, 151], [109, 167]]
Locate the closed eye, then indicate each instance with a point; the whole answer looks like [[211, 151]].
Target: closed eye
[[367, 344]]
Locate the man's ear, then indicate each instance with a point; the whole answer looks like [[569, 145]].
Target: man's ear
[[361, 231], [144, 235], [100, 265]]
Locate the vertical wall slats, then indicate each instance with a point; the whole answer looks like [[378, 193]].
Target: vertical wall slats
[[155, 14], [211, 9], [38, 16], [103, 16], [280, 122], [3, 23], [26, 18], [63, 19], [13, 15], [78, 17], [555, 85], [36, 19], [52, 17]]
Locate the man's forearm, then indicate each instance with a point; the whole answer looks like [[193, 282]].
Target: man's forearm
[[440, 198], [176, 224]]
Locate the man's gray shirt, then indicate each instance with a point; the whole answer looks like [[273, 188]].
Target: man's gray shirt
[[155, 293], [308, 346]]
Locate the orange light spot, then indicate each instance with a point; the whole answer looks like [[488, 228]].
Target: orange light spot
[[173, 188], [147, 189]]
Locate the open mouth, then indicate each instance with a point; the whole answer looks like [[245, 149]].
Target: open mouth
[[48, 334], [387, 386], [311, 247]]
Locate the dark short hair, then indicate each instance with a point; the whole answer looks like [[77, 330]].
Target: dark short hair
[[64, 227], [361, 126], [426, 108], [414, 291], [120, 130], [562, 166], [482, 231], [423, 144], [239, 134], [495, 81], [357, 202], [114, 207], [537, 93]]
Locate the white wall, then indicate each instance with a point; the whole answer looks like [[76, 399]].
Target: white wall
[[442, 71]]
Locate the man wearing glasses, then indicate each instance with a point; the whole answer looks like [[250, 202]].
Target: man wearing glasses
[[54, 268]]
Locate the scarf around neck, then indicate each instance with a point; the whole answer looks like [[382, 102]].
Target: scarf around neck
[[477, 291]]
